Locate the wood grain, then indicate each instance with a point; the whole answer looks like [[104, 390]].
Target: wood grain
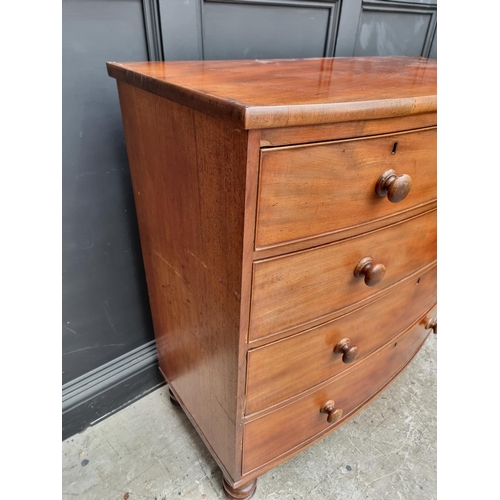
[[314, 190], [282, 369], [265, 93], [333, 131], [322, 239], [279, 432], [295, 289], [189, 178]]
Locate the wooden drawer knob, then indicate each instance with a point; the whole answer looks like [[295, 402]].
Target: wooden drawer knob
[[334, 414], [373, 273], [432, 324], [349, 353], [395, 187]]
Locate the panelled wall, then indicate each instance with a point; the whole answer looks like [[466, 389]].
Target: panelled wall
[[109, 356], [108, 351], [249, 29], [384, 28], [257, 29]]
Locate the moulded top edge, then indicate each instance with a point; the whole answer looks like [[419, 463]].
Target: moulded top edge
[[289, 92]]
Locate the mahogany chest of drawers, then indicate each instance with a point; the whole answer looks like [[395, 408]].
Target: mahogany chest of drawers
[[287, 214]]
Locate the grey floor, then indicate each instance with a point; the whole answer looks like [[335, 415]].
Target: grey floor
[[150, 451]]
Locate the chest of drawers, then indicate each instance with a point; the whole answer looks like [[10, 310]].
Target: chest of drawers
[[287, 214]]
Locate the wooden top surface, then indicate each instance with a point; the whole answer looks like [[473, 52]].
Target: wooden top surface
[[289, 92]]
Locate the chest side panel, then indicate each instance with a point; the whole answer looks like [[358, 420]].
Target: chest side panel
[[189, 173]]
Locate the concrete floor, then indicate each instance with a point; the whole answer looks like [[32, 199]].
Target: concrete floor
[[150, 451]]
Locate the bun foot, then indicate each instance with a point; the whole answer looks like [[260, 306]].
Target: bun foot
[[173, 399], [243, 493]]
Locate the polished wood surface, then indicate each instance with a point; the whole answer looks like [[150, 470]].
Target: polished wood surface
[[295, 289], [275, 433], [282, 369], [192, 247], [277, 93], [286, 136], [323, 239], [316, 189]]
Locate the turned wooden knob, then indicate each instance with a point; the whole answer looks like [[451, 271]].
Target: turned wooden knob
[[395, 187], [373, 273], [349, 353], [334, 414], [432, 324]]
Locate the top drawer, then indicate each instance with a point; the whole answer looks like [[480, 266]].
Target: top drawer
[[312, 190]]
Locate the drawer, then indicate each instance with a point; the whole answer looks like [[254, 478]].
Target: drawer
[[291, 426], [278, 371], [293, 290], [311, 190]]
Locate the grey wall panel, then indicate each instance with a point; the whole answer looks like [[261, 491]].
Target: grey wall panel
[[391, 33], [424, 2], [386, 27], [248, 29], [258, 31], [181, 29], [350, 13], [105, 303]]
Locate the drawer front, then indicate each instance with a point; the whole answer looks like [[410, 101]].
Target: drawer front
[[293, 425], [296, 289], [280, 370], [318, 189]]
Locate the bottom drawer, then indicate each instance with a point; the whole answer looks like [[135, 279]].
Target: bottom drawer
[[291, 426]]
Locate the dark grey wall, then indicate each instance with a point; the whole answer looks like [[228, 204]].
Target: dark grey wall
[[248, 29], [109, 355], [105, 304], [387, 27]]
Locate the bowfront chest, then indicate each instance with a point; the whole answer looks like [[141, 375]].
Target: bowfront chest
[[287, 214]]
